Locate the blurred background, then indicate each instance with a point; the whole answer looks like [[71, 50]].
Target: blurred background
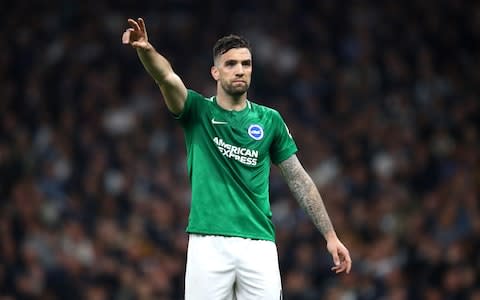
[[382, 98]]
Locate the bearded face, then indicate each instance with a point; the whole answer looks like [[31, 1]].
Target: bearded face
[[233, 71]]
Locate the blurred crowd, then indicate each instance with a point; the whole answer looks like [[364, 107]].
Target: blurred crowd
[[380, 96]]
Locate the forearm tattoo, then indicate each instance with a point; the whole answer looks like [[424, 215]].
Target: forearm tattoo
[[306, 193]]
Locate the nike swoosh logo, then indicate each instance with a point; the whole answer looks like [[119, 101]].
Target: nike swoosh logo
[[218, 122]]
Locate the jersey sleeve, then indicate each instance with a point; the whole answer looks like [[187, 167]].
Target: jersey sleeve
[[188, 115], [283, 145]]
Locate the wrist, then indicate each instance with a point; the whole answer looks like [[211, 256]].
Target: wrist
[[330, 235], [146, 49]]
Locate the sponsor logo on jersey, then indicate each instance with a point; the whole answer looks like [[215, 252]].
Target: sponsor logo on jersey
[[255, 131], [245, 156], [215, 122]]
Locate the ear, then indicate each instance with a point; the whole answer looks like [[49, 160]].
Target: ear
[[215, 73]]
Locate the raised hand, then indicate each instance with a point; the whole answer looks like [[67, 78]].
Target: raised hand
[[136, 35]]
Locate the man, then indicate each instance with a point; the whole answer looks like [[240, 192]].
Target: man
[[230, 143]]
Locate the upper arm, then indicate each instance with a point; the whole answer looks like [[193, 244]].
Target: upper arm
[[174, 93], [283, 146]]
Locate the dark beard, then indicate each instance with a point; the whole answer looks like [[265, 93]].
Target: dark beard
[[235, 92]]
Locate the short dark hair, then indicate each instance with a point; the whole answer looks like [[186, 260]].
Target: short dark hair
[[229, 42]]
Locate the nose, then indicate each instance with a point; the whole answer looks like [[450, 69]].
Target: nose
[[239, 71]]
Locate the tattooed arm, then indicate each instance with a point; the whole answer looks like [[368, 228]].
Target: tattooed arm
[[306, 193], [304, 190]]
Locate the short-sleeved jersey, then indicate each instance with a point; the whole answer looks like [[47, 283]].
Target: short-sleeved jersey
[[229, 155]]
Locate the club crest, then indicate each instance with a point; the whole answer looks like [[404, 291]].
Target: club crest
[[255, 131]]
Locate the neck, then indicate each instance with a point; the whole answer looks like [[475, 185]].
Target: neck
[[229, 102]]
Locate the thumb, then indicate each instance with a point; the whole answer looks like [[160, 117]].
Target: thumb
[[336, 259], [139, 45], [126, 37], [136, 44]]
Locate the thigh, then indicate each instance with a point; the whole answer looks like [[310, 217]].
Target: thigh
[[258, 274], [210, 271]]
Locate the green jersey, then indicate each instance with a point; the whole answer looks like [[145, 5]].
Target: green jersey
[[229, 155]]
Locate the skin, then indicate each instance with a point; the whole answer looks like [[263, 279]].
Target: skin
[[306, 193], [233, 70], [171, 85]]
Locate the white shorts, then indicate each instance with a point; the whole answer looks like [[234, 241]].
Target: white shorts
[[226, 268]]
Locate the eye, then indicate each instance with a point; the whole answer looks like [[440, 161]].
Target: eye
[[247, 63], [230, 63]]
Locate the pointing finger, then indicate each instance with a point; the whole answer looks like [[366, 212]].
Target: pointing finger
[[134, 24], [142, 25]]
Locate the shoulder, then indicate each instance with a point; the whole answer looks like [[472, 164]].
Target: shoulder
[[197, 101], [196, 95], [265, 110], [194, 104]]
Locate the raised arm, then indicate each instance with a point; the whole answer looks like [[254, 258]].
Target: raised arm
[[307, 195], [173, 90]]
